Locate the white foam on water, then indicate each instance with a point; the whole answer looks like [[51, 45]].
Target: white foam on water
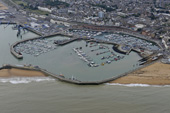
[[137, 85], [25, 80]]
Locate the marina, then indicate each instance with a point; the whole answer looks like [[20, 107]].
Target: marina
[[107, 56], [94, 56], [81, 62], [118, 38], [63, 59], [35, 47], [130, 41]]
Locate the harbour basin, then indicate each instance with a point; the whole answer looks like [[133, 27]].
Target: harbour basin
[[64, 60]]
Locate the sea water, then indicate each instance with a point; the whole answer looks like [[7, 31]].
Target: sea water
[[46, 95]]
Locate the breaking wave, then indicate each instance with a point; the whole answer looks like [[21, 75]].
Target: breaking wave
[[25, 80], [137, 85]]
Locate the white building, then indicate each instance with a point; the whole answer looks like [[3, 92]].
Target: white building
[[44, 9], [2, 17]]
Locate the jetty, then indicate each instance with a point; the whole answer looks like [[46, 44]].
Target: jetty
[[62, 43]]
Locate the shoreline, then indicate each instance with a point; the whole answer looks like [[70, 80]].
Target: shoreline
[[65, 79], [155, 74], [13, 72]]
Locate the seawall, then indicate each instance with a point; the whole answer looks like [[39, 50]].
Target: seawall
[[63, 79]]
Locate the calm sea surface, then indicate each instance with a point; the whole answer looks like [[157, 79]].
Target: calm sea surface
[[59, 97], [46, 95]]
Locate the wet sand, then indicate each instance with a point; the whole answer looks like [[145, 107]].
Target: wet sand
[[2, 7], [155, 74], [20, 73]]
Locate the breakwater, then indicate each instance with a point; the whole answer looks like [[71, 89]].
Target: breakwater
[[68, 41], [32, 30], [115, 48], [73, 81]]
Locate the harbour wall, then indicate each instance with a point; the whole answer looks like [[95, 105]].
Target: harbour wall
[[32, 30], [62, 78], [77, 82]]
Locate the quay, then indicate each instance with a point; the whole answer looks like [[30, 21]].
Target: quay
[[67, 41], [127, 51], [32, 30]]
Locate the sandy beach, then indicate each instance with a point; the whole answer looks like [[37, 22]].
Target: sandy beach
[[2, 7], [20, 73], [155, 74]]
